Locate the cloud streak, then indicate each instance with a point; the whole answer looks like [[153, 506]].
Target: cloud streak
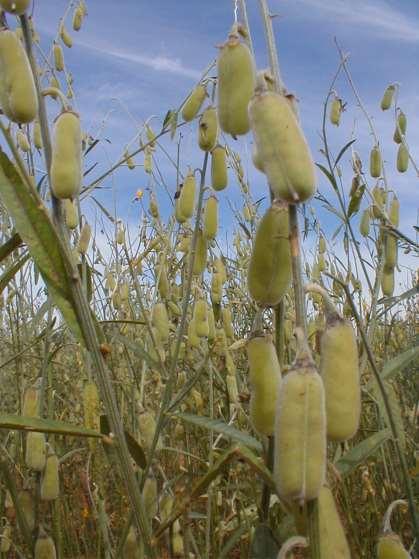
[[386, 21]]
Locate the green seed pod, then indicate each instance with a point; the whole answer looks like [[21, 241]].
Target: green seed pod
[[375, 162], [44, 547], [58, 57], [282, 147], [186, 200], [227, 322], [66, 164], [390, 251], [35, 454], [26, 505], [335, 111], [31, 397], [15, 7], [219, 177], [208, 129], [210, 225], [66, 37], [300, 431], [394, 211], [388, 96], [132, 546], [402, 125], [163, 285], [339, 370], [91, 406], [50, 483], [402, 158], [153, 206], [220, 268], [322, 245], [379, 200], [77, 18], [71, 213], [236, 82], [265, 378], [216, 288], [5, 540], [200, 260], [150, 497], [147, 428], [390, 547], [200, 318], [37, 138], [193, 339], [269, 274], [160, 321], [177, 541], [333, 541], [364, 224], [387, 282], [22, 141], [84, 239], [194, 103], [120, 234], [18, 98], [232, 390]]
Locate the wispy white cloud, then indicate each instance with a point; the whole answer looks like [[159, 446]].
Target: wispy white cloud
[[378, 15]]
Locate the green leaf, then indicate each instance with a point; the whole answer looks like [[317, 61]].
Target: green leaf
[[358, 454], [10, 273], [342, 151], [395, 409], [329, 175], [36, 229], [399, 362], [264, 545], [21, 423], [221, 427], [232, 541], [135, 449]]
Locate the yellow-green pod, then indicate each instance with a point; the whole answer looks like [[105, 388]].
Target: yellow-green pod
[[150, 497], [194, 103], [180, 218], [339, 369], [71, 213], [120, 234], [44, 547], [160, 321], [300, 431], [35, 452], [387, 282], [50, 482], [186, 200], [364, 224], [402, 125], [58, 57], [147, 428], [22, 141], [219, 177], [66, 37], [390, 251], [281, 147], [27, 506], [5, 539], [177, 541], [31, 397], [200, 260], [388, 96], [200, 318], [335, 111], [235, 85], [184, 243], [333, 542], [37, 138], [133, 546], [84, 239], [379, 200], [375, 162], [257, 161], [269, 274], [265, 378], [153, 206], [91, 406], [227, 322], [16, 7], [163, 281], [394, 211], [66, 164], [232, 389], [210, 222], [390, 547], [219, 267], [322, 245], [193, 339], [77, 18], [208, 129], [18, 98], [402, 158], [211, 324], [216, 288]]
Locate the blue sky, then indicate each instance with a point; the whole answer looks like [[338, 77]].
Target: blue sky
[[136, 58]]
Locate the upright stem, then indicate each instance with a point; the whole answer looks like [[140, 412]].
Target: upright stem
[[270, 40]]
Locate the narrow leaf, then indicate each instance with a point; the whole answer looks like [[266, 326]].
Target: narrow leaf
[[342, 151], [264, 545], [10, 273], [21, 423], [9, 246], [359, 453]]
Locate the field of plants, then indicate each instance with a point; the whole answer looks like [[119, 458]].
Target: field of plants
[[233, 373]]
